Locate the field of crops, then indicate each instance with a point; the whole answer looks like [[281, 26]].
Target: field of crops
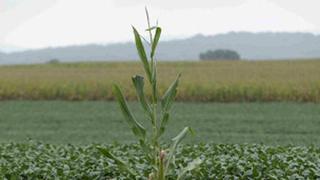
[[45, 161], [201, 81], [61, 122], [283, 137]]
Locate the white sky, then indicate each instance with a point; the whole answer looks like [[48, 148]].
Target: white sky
[[43, 23]]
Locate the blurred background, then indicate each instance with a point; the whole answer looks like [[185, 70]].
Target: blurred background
[[37, 31], [250, 69]]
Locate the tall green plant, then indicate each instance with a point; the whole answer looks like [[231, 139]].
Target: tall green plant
[[157, 111]]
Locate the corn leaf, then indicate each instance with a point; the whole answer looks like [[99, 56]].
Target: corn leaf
[[191, 166], [154, 82], [154, 64], [139, 85], [155, 41], [151, 28], [120, 163], [175, 142], [163, 123], [169, 95], [142, 53], [136, 127]]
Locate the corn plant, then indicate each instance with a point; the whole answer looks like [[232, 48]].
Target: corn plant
[[157, 110]]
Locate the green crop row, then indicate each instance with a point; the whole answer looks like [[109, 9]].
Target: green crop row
[[201, 81], [44, 161]]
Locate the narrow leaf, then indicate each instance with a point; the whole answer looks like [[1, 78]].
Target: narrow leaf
[[120, 163], [136, 127], [142, 53], [155, 41], [139, 85], [169, 95], [145, 40], [149, 24], [154, 82], [163, 123], [151, 28], [175, 142], [191, 166]]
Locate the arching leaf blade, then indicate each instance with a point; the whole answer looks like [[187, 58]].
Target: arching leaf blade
[[120, 163], [155, 41], [138, 82], [136, 127], [169, 95], [142, 53], [175, 142], [191, 166]]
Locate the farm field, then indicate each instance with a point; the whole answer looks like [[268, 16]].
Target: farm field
[[235, 81], [222, 161], [220, 104], [63, 122], [253, 120]]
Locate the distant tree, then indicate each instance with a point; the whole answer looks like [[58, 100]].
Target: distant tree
[[53, 61], [220, 54]]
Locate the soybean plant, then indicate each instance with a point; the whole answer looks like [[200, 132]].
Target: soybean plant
[[157, 110]]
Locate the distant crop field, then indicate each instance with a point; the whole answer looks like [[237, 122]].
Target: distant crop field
[[86, 122], [234, 81]]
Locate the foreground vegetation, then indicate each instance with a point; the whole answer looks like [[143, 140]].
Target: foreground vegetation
[[62, 122], [201, 81], [45, 161]]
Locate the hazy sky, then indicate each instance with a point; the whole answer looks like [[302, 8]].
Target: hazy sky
[[42, 23]]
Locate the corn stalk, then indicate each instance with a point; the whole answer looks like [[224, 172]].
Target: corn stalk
[[157, 110]]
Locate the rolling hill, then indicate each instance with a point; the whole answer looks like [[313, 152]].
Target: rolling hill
[[251, 46]]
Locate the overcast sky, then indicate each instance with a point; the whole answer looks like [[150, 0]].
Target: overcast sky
[[43, 23]]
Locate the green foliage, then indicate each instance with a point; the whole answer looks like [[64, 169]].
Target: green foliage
[[136, 127], [139, 85], [220, 54], [120, 163], [169, 95], [46, 161], [155, 153], [155, 42], [142, 54]]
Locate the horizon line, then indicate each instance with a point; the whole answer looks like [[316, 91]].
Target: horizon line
[[169, 38]]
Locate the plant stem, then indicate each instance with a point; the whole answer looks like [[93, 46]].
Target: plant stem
[[153, 84]]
